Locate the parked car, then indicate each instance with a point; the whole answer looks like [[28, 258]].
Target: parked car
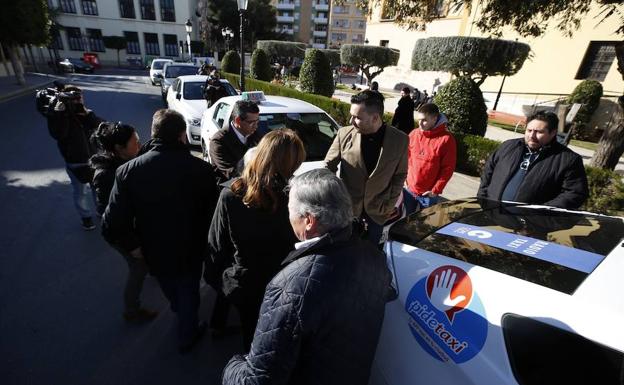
[[313, 125], [503, 293], [186, 95], [156, 68], [171, 71], [75, 65]]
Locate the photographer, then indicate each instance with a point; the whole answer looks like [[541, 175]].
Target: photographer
[[72, 125], [214, 90]]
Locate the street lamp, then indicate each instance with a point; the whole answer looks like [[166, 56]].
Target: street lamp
[[189, 29], [242, 7], [227, 35]]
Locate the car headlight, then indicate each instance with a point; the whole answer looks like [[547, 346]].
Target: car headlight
[[194, 122]]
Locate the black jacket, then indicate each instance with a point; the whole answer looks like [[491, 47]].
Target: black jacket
[[105, 165], [249, 244], [321, 317], [73, 134], [162, 201], [557, 178], [404, 115], [226, 150]]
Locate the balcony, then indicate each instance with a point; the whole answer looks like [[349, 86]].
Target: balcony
[[287, 31], [285, 19], [290, 6], [321, 20], [321, 7], [319, 33], [318, 46]]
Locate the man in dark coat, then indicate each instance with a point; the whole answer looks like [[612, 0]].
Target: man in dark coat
[[404, 114], [214, 89], [159, 209], [321, 315], [229, 145], [71, 125], [536, 169]]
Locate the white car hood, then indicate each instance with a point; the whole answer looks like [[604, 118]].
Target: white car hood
[[193, 108]]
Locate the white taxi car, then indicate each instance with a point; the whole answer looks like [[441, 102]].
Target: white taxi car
[[313, 125], [186, 96], [502, 293]]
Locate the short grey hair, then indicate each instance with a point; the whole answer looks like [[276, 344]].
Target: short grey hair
[[321, 194]]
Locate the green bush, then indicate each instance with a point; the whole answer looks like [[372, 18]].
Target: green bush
[[462, 102], [231, 62], [316, 76], [587, 92], [606, 192], [282, 49], [371, 59], [333, 55], [260, 66], [335, 108], [467, 56], [472, 153]]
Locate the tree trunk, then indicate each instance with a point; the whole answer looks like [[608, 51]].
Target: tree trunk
[[118, 61], [17, 64], [4, 61], [611, 144], [33, 58]]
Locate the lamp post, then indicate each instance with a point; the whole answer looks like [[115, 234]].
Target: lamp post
[[227, 35], [189, 29], [242, 7]]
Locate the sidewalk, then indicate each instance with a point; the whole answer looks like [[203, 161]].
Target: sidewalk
[[9, 88]]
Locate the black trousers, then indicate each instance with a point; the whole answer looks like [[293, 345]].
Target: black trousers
[[183, 295]]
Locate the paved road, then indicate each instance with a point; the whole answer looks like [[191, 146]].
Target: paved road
[[60, 287]]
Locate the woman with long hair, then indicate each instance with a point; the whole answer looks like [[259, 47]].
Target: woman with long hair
[[250, 233], [118, 143]]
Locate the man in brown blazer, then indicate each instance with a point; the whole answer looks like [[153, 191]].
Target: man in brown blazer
[[373, 162]]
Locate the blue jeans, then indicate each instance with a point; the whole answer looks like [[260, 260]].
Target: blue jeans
[[81, 202], [415, 202]]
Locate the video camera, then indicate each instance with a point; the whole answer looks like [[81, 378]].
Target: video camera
[[47, 98]]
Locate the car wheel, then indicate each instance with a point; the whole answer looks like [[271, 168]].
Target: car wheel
[[205, 154]]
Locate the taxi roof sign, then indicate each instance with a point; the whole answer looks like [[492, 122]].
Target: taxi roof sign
[[254, 96]]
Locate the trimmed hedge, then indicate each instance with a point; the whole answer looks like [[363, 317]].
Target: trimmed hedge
[[282, 49], [316, 76], [465, 55], [606, 192], [587, 92], [231, 62], [472, 153], [260, 68], [333, 55], [462, 102]]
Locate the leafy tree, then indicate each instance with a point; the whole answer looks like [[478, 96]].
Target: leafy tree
[[260, 21], [260, 67], [333, 55], [462, 102], [368, 57], [530, 18], [588, 93], [282, 51], [316, 75], [115, 42], [231, 62], [475, 57], [23, 22]]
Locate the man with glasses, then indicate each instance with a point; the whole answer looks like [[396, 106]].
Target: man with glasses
[[536, 169], [229, 145]]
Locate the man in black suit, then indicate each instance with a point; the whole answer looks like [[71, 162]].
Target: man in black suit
[[229, 145]]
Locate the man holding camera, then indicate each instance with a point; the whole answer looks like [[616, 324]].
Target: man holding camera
[[71, 125]]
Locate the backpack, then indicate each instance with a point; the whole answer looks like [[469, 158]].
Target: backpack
[[45, 100]]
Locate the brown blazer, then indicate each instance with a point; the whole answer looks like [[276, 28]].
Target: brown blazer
[[377, 194]]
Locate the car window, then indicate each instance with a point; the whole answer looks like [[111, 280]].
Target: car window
[[193, 90], [543, 354], [231, 91], [221, 114], [175, 84], [316, 130], [158, 65], [175, 71]]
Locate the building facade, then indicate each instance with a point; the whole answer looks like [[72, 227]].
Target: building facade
[[320, 23], [347, 25], [557, 63], [152, 28]]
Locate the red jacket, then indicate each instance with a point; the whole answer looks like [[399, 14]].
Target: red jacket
[[431, 159]]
